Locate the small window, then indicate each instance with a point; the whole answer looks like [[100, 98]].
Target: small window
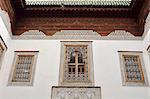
[[23, 68], [2, 50], [133, 72], [76, 63]]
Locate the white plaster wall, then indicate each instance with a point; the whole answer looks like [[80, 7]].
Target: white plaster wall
[[146, 43], [3, 31], [106, 69], [4, 34]]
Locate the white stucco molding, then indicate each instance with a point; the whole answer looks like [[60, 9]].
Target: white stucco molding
[[32, 34], [78, 35], [63, 34], [121, 35], [5, 17], [71, 92]]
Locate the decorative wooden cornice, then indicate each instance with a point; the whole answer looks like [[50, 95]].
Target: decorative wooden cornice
[[53, 19], [77, 12], [103, 26]]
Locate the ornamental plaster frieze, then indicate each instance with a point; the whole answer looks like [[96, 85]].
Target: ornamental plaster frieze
[[62, 92], [33, 34], [121, 35], [78, 35]]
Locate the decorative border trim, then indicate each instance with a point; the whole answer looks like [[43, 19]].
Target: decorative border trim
[[77, 2], [78, 35], [67, 90], [10, 83], [90, 60], [138, 53]]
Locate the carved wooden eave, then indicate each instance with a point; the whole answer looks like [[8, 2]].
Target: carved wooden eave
[[50, 20], [103, 26]]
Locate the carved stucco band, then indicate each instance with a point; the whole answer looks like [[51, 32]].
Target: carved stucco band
[[78, 35], [68, 92]]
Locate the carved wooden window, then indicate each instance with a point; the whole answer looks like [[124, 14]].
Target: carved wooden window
[[76, 66], [132, 68], [23, 69], [76, 63], [2, 50]]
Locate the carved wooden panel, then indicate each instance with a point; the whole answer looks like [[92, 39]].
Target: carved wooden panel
[[22, 72], [76, 63], [23, 68], [132, 68], [76, 67]]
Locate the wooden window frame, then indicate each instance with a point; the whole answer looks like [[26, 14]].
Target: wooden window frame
[[125, 81], [76, 61], [32, 70], [90, 81]]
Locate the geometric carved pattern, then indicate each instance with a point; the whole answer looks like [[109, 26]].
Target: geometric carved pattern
[[23, 68], [133, 72], [76, 65], [33, 32], [120, 34], [80, 2], [78, 35], [71, 92]]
